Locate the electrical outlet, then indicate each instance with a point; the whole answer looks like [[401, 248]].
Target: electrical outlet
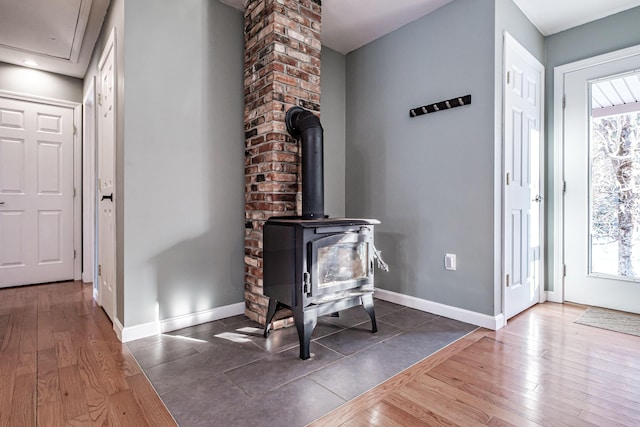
[[450, 261]]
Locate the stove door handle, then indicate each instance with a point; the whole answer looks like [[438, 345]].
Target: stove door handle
[[305, 281]]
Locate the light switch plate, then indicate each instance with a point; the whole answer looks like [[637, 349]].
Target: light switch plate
[[450, 261]]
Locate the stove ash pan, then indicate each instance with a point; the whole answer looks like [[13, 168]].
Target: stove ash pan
[[318, 267]]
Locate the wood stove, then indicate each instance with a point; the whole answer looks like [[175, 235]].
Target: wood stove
[[317, 267], [314, 265]]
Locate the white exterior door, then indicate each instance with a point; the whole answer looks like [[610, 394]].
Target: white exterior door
[[584, 281], [522, 197], [36, 193], [106, 180]]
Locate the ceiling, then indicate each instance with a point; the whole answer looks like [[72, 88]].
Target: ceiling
[[350, 24], [553, 16], [59, 35]]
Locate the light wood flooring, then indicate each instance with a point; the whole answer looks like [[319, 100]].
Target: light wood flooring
[[541, 369], [61, 363]]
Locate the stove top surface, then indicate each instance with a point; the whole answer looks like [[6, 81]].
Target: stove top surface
[[320, 222]]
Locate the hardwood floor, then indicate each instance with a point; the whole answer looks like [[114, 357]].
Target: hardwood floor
[[61, 363], [541, 369]]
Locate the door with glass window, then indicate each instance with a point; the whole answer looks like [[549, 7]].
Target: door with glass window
[[602, 175]]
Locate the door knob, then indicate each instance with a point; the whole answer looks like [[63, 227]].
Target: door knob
[[107, 197], [538, 199], [1, 203]]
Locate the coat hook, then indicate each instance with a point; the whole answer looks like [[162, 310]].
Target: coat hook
[[438, 106]]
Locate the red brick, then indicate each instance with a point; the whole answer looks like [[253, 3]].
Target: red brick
[[282, 69]]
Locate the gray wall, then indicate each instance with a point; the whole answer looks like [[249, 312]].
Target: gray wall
[[605, 35], [430, 179], [115, 20], [332, 109], [25, 80], [183, 158]]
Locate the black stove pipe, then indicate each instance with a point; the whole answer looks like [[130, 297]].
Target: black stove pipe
[[304, 126]]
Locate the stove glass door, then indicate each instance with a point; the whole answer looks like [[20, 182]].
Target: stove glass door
[[342, 262]]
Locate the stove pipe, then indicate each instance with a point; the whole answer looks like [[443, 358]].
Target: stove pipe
[[304, 126]]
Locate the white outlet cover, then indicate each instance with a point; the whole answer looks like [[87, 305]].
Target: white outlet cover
[[450, 261]]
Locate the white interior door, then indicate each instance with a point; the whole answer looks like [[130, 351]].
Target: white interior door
[[106, 179], [36, 193], [591, 260], [522, 196]]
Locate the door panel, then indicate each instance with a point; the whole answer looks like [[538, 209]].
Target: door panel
[[12, 229], [50, 237], [36, 193], [12, 160], [49, 168], [523, 117]]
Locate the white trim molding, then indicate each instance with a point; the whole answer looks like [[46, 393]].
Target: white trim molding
[[117, 328], [39, 99], [144, 330], [554, 296], [483, 320], [199, 317], [77, 192]]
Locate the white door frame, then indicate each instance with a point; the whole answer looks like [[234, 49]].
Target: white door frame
[[501, 180], [557, 295], [77, 166], [89, 184]]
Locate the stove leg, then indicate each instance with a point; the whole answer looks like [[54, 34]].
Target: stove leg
[[271, 311], [305, 323], [367, 303]]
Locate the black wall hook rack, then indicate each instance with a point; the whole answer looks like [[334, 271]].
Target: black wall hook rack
[[439, 106]]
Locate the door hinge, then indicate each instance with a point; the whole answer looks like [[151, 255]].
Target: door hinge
[[75, 254], [564, 270], [74, 191], [564, 186], [508, 179], [564, 101], [99, 270], [508, 77], [99, 99], [75, 130], [507, 280]]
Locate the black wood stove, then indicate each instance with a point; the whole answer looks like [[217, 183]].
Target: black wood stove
[[315, 265]]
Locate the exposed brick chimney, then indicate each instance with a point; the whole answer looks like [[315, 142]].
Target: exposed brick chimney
[[281, 70]]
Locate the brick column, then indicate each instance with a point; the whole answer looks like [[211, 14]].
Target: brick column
[[281, 70]]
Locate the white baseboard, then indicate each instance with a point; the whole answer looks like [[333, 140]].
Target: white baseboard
[[144, 330], [460, 314], [117, 328], [210, 315], [553, 296], [131, 333]]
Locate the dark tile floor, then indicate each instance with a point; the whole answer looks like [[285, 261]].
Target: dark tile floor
[[224, 373]]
